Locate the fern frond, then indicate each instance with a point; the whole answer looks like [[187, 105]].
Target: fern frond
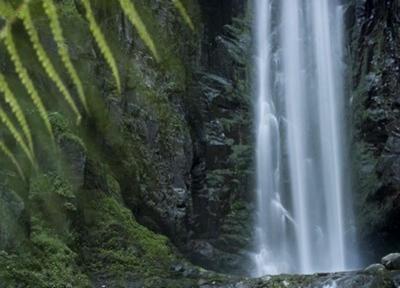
[[6, 10], [10, 99], [130, 11], [56, 29], [11, 15], [10, 155], [17, 136], [101, 42], [45, 61], [182, 10], [27, 81]]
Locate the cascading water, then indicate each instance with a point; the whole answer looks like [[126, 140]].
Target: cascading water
[[303, 198]]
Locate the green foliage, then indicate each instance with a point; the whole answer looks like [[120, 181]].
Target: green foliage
[[119, 248], [46, 258], [16, 109], [237, 40], [4, 149], [24, 12], [55, 26], [6, 9], [101, 42], [130, 10], [17, 135], [229, 95], [46, 62], [51, 192], [182, 10], [27, 81], [58, 123], [49, 263], [50, 253]]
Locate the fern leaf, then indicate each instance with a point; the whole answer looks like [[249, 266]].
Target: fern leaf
[[101, 42], [46, 62], [182, 10], [10, 99], [27, 81], [17, 136], [6, 10], [12, 158], [56, 29], [131, 12], [12, 15]]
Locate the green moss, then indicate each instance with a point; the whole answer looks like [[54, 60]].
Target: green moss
[[58, 123], [117, 248], [51, 200], [45, 262], [113, 186]]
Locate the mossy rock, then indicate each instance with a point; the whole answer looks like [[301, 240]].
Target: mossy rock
[[118, 251], [44, 262]]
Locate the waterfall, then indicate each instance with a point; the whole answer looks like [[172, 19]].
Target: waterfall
[[303, 197]]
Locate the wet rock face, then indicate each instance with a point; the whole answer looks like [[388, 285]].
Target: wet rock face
[[182, 150], [220, 124], [375, 268], [392, 261], [375, 102]]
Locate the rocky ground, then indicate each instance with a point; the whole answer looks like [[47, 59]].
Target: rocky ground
[[383, 275]]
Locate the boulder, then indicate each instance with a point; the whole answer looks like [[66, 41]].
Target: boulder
[[392, 261], [373, 268]]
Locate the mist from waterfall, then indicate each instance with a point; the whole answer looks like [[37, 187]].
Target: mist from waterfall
[[304, 220]]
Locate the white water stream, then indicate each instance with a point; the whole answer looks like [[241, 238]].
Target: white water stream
[[304, 202]]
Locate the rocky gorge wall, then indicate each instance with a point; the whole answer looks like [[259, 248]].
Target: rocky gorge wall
[[374, 50], [169, 156], [162, 173]]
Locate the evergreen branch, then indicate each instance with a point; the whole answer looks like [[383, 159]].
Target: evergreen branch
[[130, 11], [16, 109], [182, 10], [27, 81], [101, 42], [45, 61], [12, 158], [56, 29]]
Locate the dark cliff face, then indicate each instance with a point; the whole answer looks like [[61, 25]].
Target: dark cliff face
[[221, 124], [172, 153], [375, 101]]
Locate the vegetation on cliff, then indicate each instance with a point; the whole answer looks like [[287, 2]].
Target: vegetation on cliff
[[126, 142]]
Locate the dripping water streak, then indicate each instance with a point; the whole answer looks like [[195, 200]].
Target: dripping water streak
[[295, 100], [329, 133]]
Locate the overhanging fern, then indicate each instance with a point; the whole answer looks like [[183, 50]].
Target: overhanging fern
[[17, 136], [182, 10], [22, 134], [46, 62], [27, 81], [55, 26], [7, 152], [16, 109], [131, 12], [101, 42]]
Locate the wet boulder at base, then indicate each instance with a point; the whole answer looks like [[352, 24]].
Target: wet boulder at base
[[373, 268], [392, 261]]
